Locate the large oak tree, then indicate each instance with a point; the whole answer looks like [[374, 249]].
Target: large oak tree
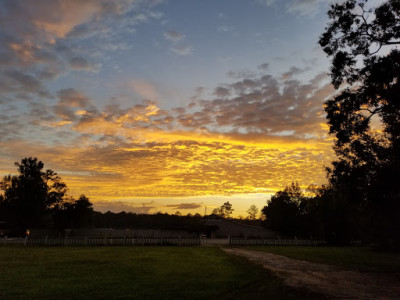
[[364, 116]]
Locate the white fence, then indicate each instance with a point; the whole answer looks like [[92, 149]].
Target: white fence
[[155, 241], [216, 241], [275, 242], [106, 241]]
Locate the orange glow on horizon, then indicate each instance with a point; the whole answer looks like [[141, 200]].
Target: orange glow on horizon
[[188, 165]]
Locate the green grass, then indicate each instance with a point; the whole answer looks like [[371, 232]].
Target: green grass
[[357, 258], [134, 273]]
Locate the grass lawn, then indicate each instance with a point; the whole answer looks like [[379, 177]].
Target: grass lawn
[[358, 258], [134, 273]]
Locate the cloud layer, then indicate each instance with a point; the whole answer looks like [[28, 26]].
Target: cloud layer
[[43, 40], [255, 133]]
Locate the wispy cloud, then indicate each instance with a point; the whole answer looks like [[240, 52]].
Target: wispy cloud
[[144, 88], [173, 36], [266, 2], [297, 7], [80, 63], [304, 7], [190, 206], [182, 50], [119, 206], [225, 28], [176, 37]]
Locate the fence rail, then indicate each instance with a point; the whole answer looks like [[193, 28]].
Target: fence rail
[[155, 241], [106, 241], [275, 242]]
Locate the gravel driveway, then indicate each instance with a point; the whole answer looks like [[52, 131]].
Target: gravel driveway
[[332, 281]]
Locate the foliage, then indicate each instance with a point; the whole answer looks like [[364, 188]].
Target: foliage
[[38, 198], [124, 220], [74, 213], [364, 115], [358, 31], [315, 212], [31, 195], [190, 223], [253, 212], [217, 211], [224, 211], [283, 210]]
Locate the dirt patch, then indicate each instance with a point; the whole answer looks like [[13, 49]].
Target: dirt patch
[[332, 281]]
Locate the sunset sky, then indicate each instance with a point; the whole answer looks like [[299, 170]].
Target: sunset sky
[[166, 105]]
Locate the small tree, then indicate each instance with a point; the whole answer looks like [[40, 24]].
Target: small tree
[[253, 212], [224, 211], [217, 211], [227, 209]]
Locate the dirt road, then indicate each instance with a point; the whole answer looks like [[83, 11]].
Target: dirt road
[[332, 281]]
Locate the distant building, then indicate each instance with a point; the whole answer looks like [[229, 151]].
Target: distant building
[[227, 227], [131, 232]]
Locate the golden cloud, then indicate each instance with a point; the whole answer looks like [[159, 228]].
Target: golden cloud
[[188, 164]]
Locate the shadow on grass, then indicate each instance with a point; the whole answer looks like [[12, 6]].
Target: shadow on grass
[[135, 273]]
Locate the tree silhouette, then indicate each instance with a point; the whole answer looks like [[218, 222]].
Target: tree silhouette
[[283, 210], [356, 31], [29, 197], [83, 212], [225, 210], [217, 211], [253, 212], [364, 116]]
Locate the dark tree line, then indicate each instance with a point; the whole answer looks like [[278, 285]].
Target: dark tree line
[[37, 198], [123, 220], [314, 213], [364, 117], [74, 213]]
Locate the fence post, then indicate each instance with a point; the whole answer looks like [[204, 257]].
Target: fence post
[[65, 241], [45, 240], [26, 238]]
